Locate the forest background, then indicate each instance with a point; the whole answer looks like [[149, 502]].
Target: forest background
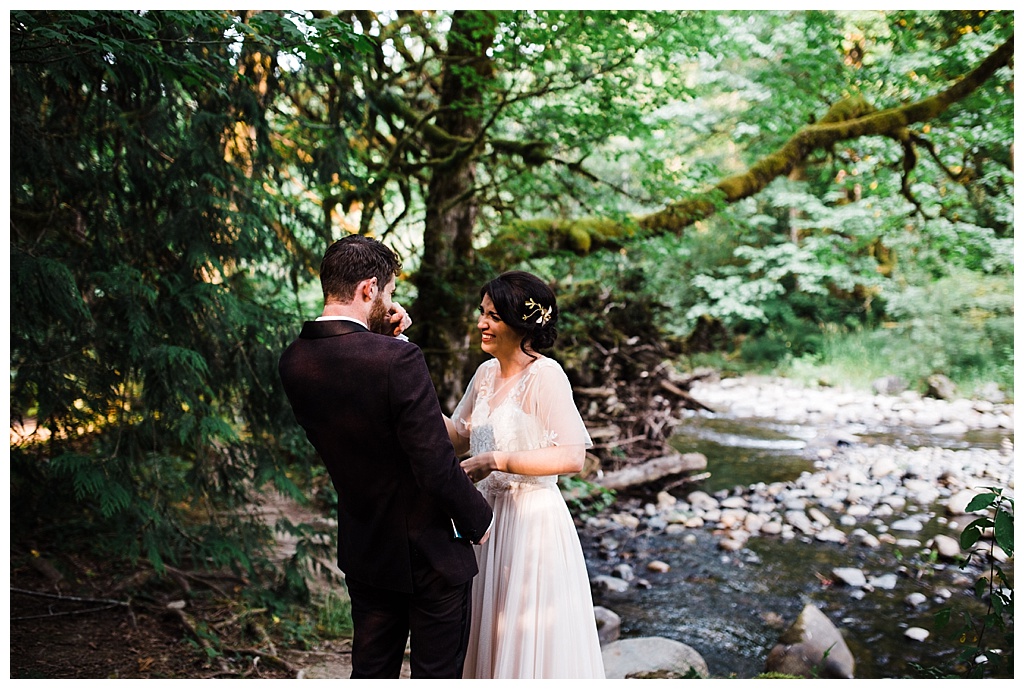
[[825, 195]]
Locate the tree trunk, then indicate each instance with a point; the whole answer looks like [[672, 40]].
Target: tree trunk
[[447, 281]]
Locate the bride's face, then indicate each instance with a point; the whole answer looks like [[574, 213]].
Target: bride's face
[[496, 337]]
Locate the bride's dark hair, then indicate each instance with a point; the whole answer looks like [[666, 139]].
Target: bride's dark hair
[[527, 305]]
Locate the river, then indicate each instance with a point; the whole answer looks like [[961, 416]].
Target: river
[[732, 606]]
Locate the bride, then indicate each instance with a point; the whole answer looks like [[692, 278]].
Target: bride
[[532, 612]]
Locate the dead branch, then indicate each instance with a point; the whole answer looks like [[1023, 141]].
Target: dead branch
[[692, 402], [104, 604]]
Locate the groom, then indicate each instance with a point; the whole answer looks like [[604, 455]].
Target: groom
[[407, 512]]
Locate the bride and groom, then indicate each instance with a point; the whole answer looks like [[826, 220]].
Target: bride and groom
[[476, 564]]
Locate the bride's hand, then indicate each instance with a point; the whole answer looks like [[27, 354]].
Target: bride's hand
[[478, 467]]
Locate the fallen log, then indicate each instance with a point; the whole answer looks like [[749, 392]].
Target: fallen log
[[652, 470], [685, 396]]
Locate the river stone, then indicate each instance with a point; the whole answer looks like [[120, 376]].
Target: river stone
[[818, 516], [889, 385], [626, 520], [658, 566], [830, 534], [951, 428], [812, 647], [941, 387], [916, 633], [624, 572], [612, 584], [609, 624], [908, 524], [851, 576], [915, 599], [946, 547], [648, 655], [957, 503], [885, 581], [702, 501]]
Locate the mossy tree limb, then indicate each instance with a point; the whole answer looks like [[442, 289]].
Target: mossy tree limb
[[849, 119]]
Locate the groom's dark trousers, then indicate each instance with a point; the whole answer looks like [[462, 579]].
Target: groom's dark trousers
[[368, 406]]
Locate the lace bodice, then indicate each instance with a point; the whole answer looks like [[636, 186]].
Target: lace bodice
[[531, 410]]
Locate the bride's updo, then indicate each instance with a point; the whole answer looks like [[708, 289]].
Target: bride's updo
[[527, 305]]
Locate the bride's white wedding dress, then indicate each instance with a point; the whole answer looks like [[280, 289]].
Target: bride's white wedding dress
[[533, 615]]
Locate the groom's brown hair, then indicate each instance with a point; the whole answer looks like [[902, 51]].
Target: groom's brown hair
[[352, 259]]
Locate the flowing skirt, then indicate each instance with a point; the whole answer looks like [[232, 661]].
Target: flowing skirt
[[533, 615]]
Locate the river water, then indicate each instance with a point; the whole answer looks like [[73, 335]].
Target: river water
[[732, 607]]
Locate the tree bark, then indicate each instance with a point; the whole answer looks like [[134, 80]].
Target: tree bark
[[446, 281]]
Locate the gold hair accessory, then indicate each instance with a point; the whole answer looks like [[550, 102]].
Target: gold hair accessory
[[542, 315]]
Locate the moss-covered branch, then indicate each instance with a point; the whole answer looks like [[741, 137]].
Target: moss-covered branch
[[849, 119]]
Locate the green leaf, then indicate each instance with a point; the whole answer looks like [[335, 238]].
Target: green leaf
[[981, 502], [1004, 531], [972, 532]]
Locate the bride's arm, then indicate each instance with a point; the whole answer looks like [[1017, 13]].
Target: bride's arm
[[544, 461], [460, 443]]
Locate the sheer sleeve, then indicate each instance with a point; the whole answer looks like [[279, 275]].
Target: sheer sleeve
[[549, 398], [464, 409]]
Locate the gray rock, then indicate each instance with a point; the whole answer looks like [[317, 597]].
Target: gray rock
[[992, 393], [889, 385], [885, 581], [957, 503], [916, 633], [941, 387], [611, 584], [915, 599], [624, 572], [702, 501], [908, 524], [830, 534], [609, 624], [650, 655], [812, 647], [851, 576], [947, 547]]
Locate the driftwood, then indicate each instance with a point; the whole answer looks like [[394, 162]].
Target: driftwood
[[652, 470], [685, 396]]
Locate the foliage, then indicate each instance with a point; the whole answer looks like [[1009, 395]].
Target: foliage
[[960, 325], [583, 497], [977, 656], [146, 319]]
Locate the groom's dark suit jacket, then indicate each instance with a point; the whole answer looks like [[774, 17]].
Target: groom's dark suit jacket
[[369, 407]]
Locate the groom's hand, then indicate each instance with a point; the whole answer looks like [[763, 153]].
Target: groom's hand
[[399, 318]]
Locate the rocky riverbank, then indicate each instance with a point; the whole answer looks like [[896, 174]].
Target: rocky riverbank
[[859, 495]]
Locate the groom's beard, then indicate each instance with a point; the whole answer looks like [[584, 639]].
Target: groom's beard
[[379, 320]]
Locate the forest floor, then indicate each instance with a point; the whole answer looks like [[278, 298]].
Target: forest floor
[[67, 631], [81, 622]]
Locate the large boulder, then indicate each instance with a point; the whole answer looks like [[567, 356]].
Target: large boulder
[[651, 656], [812, 647]]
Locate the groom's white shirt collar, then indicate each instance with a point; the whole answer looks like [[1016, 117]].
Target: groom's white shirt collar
[[342, 318], [400, 336]]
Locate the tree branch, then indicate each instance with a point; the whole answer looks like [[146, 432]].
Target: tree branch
[[849, 119]]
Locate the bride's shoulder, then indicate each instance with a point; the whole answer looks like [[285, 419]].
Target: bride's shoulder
[[548, 367]]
